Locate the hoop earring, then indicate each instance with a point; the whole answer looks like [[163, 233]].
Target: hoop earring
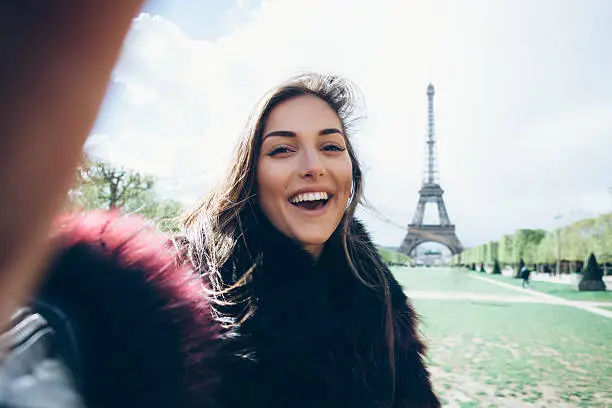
[[351, 197]]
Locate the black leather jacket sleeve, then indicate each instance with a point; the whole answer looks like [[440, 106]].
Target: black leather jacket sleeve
[[33, 371]]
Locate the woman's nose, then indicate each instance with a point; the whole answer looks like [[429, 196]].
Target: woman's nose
[[311, 165]]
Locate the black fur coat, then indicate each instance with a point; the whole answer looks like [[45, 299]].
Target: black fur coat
[[143, 334], [316, 338]]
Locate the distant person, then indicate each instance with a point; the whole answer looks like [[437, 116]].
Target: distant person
[[525, 272]]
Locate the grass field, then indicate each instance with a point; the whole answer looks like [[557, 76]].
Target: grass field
[[557, 289], [505, 354]]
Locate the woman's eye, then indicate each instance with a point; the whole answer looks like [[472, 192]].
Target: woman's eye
[[279, 150], [334, 148]]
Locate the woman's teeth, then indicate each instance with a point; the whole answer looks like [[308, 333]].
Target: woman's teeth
[[309, 197]]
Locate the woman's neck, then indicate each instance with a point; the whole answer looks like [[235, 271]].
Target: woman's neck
[[314, 250]]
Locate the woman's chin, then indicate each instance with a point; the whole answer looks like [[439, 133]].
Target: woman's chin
[[312, 242], [312, 239]]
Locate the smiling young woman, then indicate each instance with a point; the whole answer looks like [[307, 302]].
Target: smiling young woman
[[315, 317], [304, 172]]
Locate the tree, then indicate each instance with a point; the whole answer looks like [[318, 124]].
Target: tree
[[526, 243], [467, 256], [393, 258], [575, 241], [492, 251], [592, 279], [165, 214], [496, 270], [602, 237], [99, 185], [505, 252], [482, 253], [547, 249]]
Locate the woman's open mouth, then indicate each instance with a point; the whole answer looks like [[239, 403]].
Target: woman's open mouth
[[311, 201]]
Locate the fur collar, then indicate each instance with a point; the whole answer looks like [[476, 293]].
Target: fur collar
[[286, 277], [143, 325], [316, 337]]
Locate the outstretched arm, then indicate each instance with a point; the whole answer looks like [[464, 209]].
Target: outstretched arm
[[56, 60]]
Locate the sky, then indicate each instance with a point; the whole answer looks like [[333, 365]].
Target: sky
[[523, 102]]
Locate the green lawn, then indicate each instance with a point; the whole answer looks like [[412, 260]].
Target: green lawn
[[445, 280], [556, 289], [500, 354]]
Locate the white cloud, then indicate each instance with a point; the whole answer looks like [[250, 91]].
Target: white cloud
[[514, 150]]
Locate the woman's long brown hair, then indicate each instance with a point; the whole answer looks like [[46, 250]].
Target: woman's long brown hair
[[212, 229]]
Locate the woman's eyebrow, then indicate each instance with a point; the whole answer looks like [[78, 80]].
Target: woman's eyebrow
[[281, 133], [289, 133], [330, 131]]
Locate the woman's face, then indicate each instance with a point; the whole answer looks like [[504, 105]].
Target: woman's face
[[304, 172]]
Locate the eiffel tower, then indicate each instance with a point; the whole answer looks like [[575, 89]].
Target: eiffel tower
[[431, 192]]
